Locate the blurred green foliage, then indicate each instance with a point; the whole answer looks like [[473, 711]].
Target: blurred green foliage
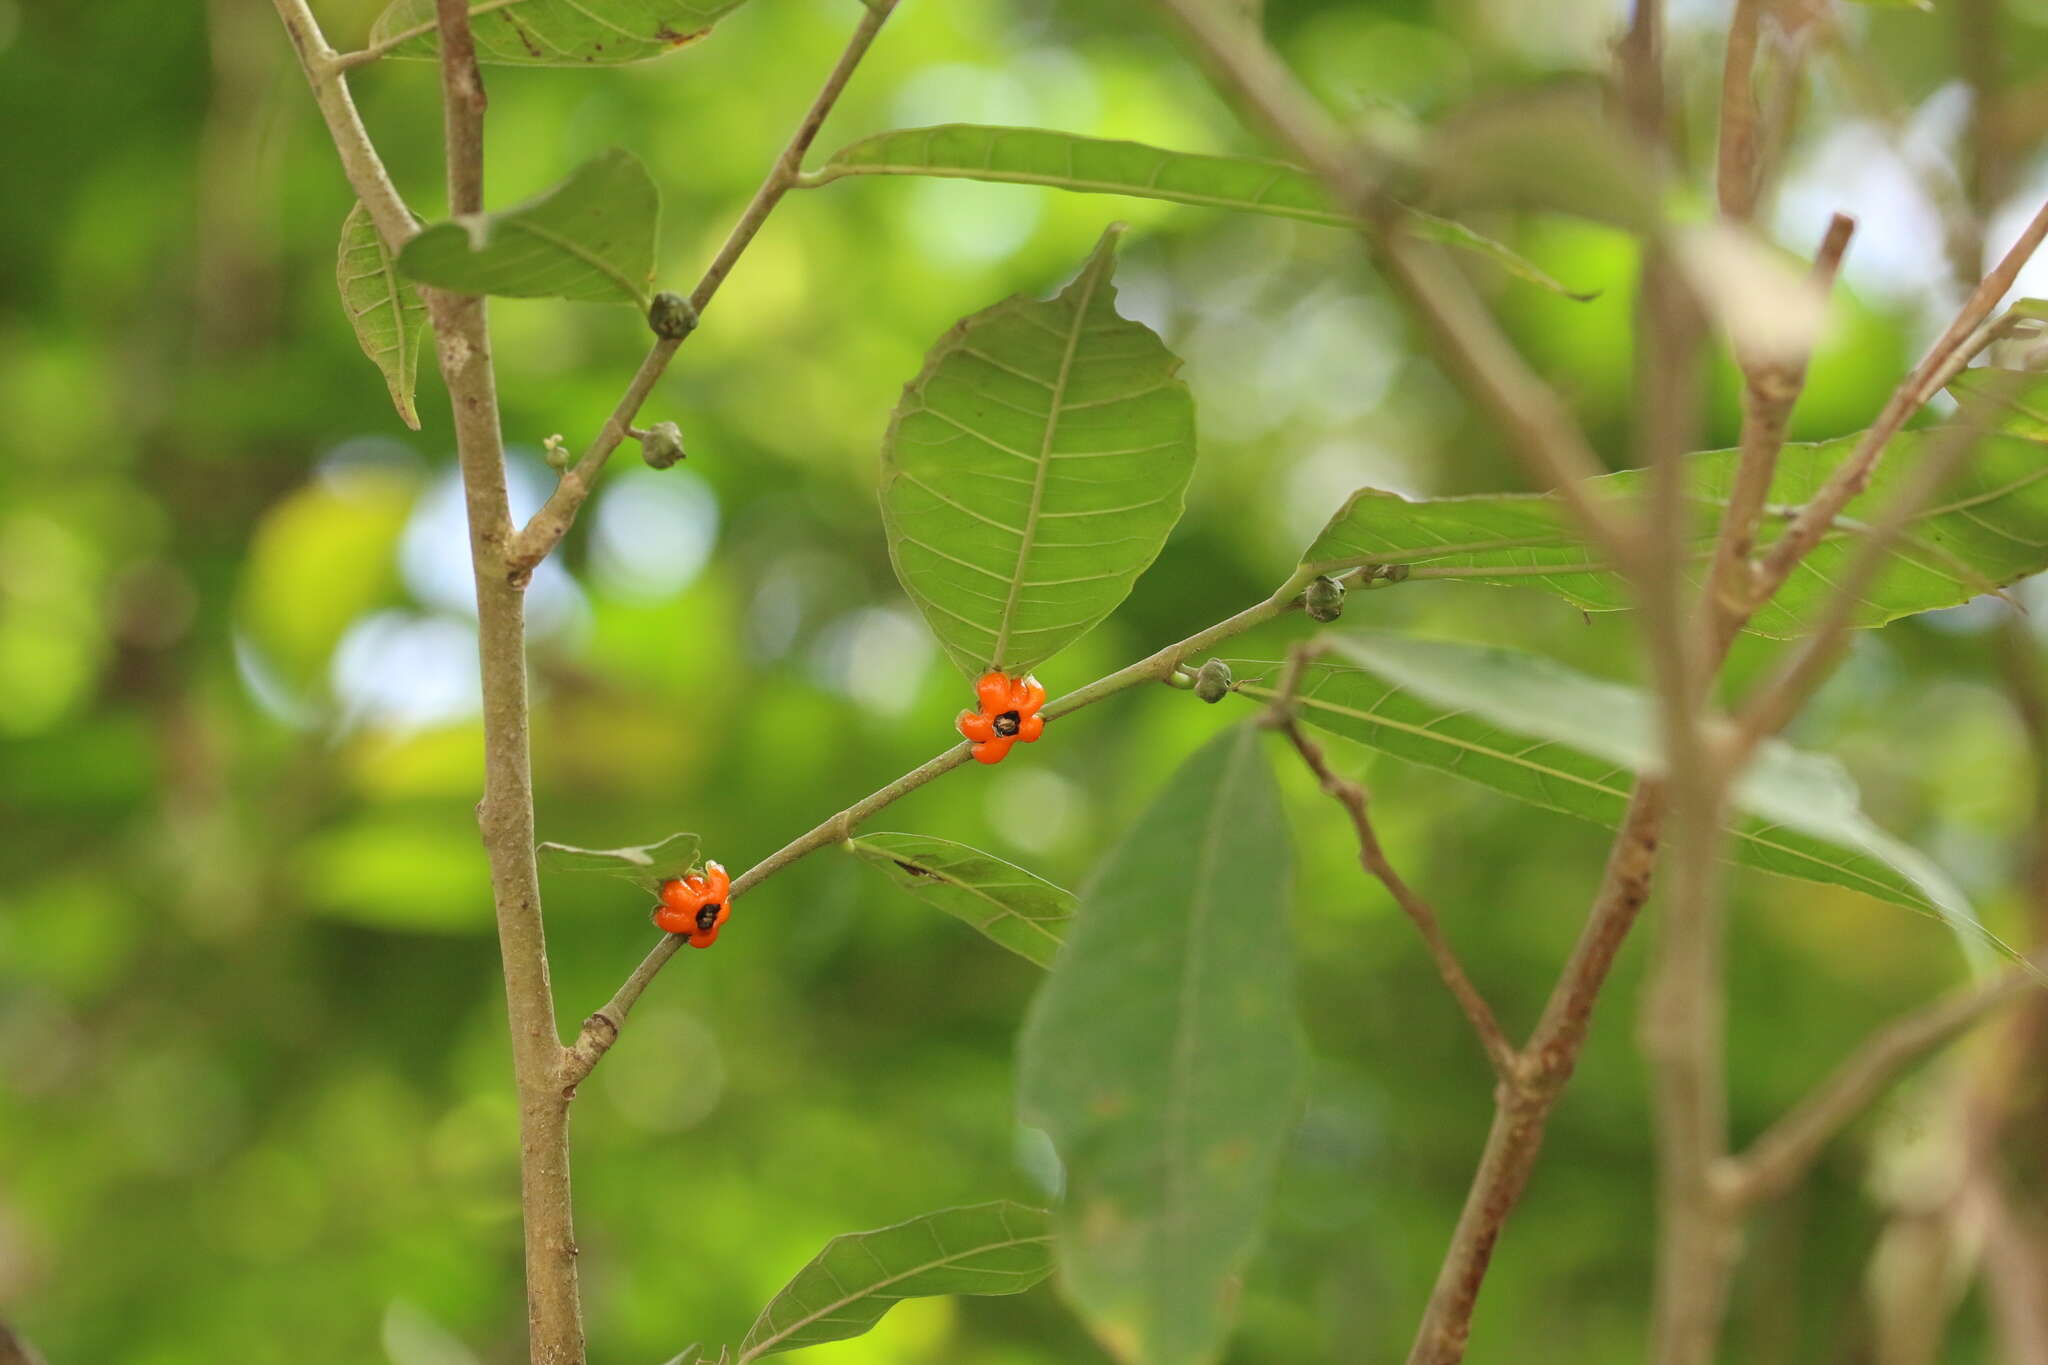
[[252, 1050]]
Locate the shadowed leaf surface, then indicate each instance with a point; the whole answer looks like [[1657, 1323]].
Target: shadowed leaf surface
[[1033, 470], [590, 238], [1024, 913], [998, 1248], [1162, 1056]]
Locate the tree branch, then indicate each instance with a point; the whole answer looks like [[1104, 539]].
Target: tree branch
[[1776, 1161], [463, 346], [1372, 857], [359, 159], [601, 1029], [552, 522], [505, 815], [1770, 390], [1522, 1109], [1850, 478]]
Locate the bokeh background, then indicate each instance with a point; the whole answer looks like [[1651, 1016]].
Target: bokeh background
[[255, 1091]]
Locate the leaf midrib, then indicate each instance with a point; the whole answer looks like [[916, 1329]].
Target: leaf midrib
[[940, 874], [1092, 279]]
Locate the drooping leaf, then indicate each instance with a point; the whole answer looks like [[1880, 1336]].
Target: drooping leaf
[[998, 1248], [1163, 1057], [1094, 165], [1033, 470], [1535, 730], [555, 32], [646, 865], [590, 238], [1989, 528], [1026, 914], [388, 314]]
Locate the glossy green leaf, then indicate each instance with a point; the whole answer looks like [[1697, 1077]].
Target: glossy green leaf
[[1534, 730], [1033, 470], [1024, 913], [388, 314], [590, 238], [555, 32], [1163, 1057], [1988, 529], [999, 1248], [1094, 165]]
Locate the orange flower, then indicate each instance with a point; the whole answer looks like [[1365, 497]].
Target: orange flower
[[695, 905], [1009, 713]]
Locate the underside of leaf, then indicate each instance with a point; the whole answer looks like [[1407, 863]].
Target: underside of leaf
[[387, 313], [1033, 470], [1093, 165]]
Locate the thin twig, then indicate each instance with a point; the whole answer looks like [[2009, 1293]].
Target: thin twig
[[601, 1029], [1372, 857], [1776, 1160], [359, 159], [1522, 1110], [1773, 704], [1738, 174], [1770, 390], [1852, 476], [548, 525]]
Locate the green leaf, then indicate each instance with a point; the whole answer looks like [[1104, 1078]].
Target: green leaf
[[387, 313], [1093, 165], [590, 238], [555, 32], [1163, 1057], [1534, 730], [646, 865], [1988, 529], [1026, 914], [1033, 470], [999, 1248]]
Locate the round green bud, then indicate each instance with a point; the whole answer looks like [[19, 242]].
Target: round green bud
[[1324, 599], [662, 446], [1212, 681], [671, 316]]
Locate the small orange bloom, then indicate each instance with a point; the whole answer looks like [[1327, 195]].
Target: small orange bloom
[[695, 905], [1009, 713]]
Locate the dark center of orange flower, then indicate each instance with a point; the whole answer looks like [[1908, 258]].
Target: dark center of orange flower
[[706, 917], [1008, 723]]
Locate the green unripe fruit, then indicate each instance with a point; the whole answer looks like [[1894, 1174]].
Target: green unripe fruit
[[671, 316], [1324, 599], [662, 446], [1212, 681]]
